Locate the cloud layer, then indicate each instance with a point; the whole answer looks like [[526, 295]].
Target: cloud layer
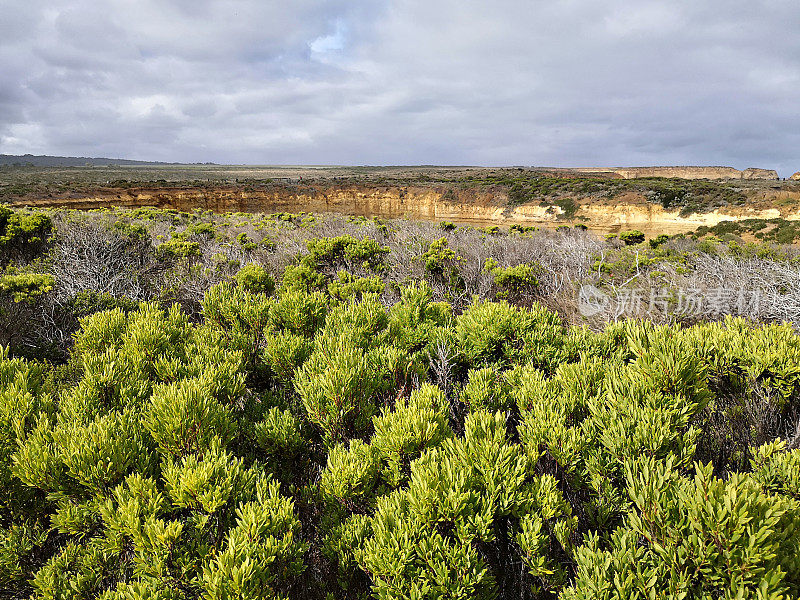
[[508, 82]]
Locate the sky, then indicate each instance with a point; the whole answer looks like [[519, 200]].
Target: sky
[[402, 82]]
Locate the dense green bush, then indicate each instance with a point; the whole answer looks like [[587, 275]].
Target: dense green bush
[[179, 247], [345, 249], [26, 287], [490, 333], [254, 278], [22, 235], [694, 537], [632, 237], [554, 461], [515, 282]]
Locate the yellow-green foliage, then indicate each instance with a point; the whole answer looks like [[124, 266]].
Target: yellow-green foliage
[[694, 537], [137, 462], [22, 234], [442, 264], [179, 247], [306, 444], [26, 287], [632, 237], [328, 252], [254, 278], [492, 333], [346, 286], [514, 281]]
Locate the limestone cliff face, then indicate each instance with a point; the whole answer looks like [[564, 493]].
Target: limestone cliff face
[[684, 172], [426, 203], [681, 172], [753, 173], [478, 207], [678, 172], [653, 219]]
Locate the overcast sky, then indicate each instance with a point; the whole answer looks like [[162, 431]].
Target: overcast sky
[[501, 82]]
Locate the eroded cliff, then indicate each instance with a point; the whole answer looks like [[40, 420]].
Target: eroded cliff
[[684, 172], [475, 206]]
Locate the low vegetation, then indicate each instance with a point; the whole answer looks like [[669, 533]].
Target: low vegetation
[[778, 230], [349, 408], [689, 196]]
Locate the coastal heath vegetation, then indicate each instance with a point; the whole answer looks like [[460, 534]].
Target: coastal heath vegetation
[[306, 407]]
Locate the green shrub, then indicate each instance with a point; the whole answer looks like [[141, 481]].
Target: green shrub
[[659, 240], [284, 352], [694, 538], [337, 385], [178, 247], [422, 452], [521, 229], [516, 281], [438, 256], [245, 242], [346, 286], [299, 313], [631, 238], [405, 433], [279, 435], [254, 278], [21, 402], [26, 287], [22, 235], [361, 323], [462, 496], [416, 321], [486, 389], [442, 265], [331, 252], [205, 482], [260, 555], [302, 278], [184, 418], [491, 333], [241, 320], [351, 475], [207, 230]]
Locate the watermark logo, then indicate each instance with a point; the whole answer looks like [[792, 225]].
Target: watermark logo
[[592, 301], [680, 302]]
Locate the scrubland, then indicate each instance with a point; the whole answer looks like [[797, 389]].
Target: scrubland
[[294, 406]]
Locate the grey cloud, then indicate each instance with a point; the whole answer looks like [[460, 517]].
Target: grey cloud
[[574, 82]]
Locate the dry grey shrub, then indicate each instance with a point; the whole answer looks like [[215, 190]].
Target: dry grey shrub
[[793, 439], [758, 288], [218, 262], [91, 257], [707, 287], [21, 321]]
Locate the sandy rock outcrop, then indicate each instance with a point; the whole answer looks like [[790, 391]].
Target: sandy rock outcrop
[[796, 176], [753, 173], [683, 172], [676, 172]]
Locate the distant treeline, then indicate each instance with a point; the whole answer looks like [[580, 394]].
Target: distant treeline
[[29, 160]]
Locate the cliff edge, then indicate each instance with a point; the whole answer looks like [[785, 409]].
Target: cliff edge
[[683, 172]]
